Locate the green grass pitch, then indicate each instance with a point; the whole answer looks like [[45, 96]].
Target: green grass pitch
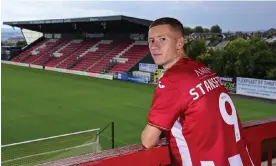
[[38, 104]]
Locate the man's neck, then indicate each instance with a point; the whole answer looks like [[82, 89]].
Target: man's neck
[[174, 61]]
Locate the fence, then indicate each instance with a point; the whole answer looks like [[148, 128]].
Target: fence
[[256, 134], [59, 147], [261, 137], [50, 148]]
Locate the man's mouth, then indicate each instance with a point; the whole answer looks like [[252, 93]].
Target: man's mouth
[[156, 54]]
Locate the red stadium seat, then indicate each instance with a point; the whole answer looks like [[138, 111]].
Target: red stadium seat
[[91, 60]]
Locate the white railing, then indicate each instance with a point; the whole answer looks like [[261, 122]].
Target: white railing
[[51, 148]]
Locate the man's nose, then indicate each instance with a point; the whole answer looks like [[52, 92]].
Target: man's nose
[[155, 45]]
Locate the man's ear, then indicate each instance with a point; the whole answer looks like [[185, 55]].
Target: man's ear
[[180, 43]]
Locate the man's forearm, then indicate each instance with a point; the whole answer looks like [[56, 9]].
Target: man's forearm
[[150, 136]]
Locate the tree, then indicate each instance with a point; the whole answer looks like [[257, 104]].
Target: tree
[[198, 29], [260, 57], [253, 58], [206, 30], [272, 30], [21, 43], [215, 29], [249, 58], [271, 74], [188, 31], [263, 62], [273, 47], [213, 58], [217, 61], [205, 58], [213, 40], [196, 48], [235, 58], [229, 70]]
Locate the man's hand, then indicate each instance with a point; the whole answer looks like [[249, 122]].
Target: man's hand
[[150, 136]]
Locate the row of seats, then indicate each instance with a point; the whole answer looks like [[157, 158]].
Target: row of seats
[[121, 46], [28, 51], [36, 51], [48, 47], [134, 55], [94, 55], [66, 52], [84, 55], [42, 59], [86, 44]]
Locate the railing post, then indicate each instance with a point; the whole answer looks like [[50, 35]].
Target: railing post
[[269, 153], [112, 133]]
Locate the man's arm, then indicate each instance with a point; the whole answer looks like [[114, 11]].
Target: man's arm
[[150, 136], [166, 107]]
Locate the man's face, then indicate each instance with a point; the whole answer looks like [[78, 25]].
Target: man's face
[[163, 44]]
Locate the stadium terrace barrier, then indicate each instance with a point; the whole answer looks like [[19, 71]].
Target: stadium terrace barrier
[[6, 62], [109, 77], [132, 155], [256, 132], [76, 72], [36, 66], [55, 69], [97, 75], [20, 64]]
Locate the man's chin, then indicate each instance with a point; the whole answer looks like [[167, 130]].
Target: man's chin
[[158, 62]]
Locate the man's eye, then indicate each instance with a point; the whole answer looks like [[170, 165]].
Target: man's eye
[[162, 39]]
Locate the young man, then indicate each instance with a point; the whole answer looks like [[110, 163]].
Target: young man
[[191, 107]]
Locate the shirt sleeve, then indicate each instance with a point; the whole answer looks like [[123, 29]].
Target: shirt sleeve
[[166, 106]]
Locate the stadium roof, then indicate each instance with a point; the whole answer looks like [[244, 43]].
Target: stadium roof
[[47, 25]]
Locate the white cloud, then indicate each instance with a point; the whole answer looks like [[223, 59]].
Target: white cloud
[[19, 10], [229, 15]]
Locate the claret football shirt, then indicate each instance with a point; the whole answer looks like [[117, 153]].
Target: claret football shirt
[[195, 112]]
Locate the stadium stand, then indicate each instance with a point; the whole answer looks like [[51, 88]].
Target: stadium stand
[[96, 45], [86, 55]]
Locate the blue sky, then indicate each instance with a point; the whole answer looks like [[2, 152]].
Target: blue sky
[[231, 15]]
